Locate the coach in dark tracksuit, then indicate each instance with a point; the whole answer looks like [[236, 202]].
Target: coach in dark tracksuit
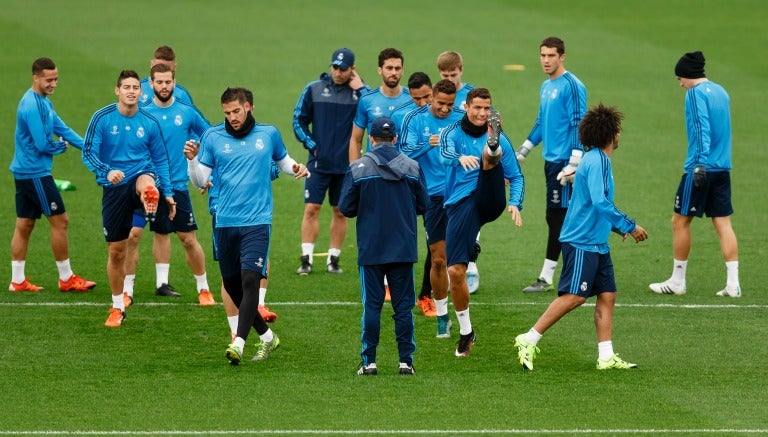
[[385, 190]]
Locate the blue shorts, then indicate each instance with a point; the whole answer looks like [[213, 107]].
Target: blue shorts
[[36, 197], [242, 248], [558, 196], [316, 186], [184, 221], [713, 199], [585, 273], [117, 205], [213, 237], [435, 220], [461, 230]]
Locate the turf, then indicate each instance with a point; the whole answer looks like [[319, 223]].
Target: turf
[[702, 359]]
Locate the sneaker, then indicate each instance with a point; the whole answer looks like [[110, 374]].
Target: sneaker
[[465, 344], [444, 326], [526, 351], [205, 298], [115, 318], [368, 370], [473, 278], [266, 314], [166, 290], [76, 283], [494, 129], [306, 267], [127, 300], [265, 348], [667, 287], [614, 363], [730, 292], [539, 286], [234, 354], [151, 198], [333, 265], [24, 285], [427, 306], [387, 295], [406, 369]]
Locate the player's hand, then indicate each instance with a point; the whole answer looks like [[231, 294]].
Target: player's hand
[[517, 218], [434, 140], [699, 176], [191, 148], [171, 206], [355, 81], [566, 174], [205, 188], [115, 176], [639, 234], [523, 151], [469, 162], [300, 171]]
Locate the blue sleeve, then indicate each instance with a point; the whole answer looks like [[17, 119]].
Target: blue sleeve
[[92, 147], [361, 115], [278, 146], [199, 125], [348, 199], [512, 173], [159, 156], [35, 114], [61, 129], [448, 155], [699, 130], [577, 106], [302, 118], [410, 142], [598, 179]]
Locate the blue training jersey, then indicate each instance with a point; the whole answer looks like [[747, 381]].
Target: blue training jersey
[[179, 122], [374, 105], [419, 125], [398, 116], [591, 214], [708, 122], [242, 171], [459, 183], [461, 95], [179, 93], [133, 145], [34, 146], [563, 103]]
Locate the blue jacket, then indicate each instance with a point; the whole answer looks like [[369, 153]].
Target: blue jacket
[[385, 190], [330, 109]]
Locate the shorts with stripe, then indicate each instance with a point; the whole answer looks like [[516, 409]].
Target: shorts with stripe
[[585, 273], [36, 197], [712, 199], [558, 196]]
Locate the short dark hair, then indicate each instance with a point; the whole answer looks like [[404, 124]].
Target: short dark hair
[[41, 64], [127, 74], [161, 68], [554, 42], [600, 126], [444, 86], [390, 53], [418, 80], [449, 61], [479, 93], [164, 53], [237, 94]]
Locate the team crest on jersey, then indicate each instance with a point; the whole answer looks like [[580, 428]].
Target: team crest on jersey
[[377, 112], [144, 98], [227, 148], [553, 94], [54, 206], [326, 92], [114, 130], [259, 144], [140, 132], [260, 262], [178, 120]]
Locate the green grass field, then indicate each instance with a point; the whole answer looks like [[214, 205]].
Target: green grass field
[[702, 359]]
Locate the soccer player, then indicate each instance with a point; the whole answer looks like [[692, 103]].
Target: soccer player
[[705, 187], [563, 102], [420, 90], [587, 266], [239, 153], [450, 64], [421, 138], [479, 157], [385, 190], [178, 123], [36, 192], [124, 147], [328, 105], [164, 55], [379, 102]]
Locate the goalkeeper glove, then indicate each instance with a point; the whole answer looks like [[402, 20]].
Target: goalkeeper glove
[[523, 151], [699, 176], [569, 171]]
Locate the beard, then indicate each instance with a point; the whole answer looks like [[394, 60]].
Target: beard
[[164, 99], [392, 83]]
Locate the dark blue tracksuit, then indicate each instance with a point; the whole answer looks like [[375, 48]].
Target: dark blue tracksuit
[[385, 190]]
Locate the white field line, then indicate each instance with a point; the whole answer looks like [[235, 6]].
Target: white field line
[[370, 432]]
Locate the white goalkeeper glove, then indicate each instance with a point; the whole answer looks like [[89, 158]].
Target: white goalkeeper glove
[[569, 171], [523, 151]]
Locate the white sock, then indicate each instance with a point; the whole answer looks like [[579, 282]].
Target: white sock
[[128, 284], [532, 336], [333, 252], [548, 270], [202, 282], [308, 249], [262, 296], [678, 271], [239, 342], [465, 325], [17, 271], [65, 271], [441, 306], [117, 302], [732, 270], [161, 274], [232, 321], [605, 350], [267, 336]]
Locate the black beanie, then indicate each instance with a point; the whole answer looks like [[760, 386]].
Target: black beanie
[[690, 66]]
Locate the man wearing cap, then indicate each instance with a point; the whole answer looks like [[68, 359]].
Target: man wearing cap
[[385, 190], [705, 187], [322, 122]]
